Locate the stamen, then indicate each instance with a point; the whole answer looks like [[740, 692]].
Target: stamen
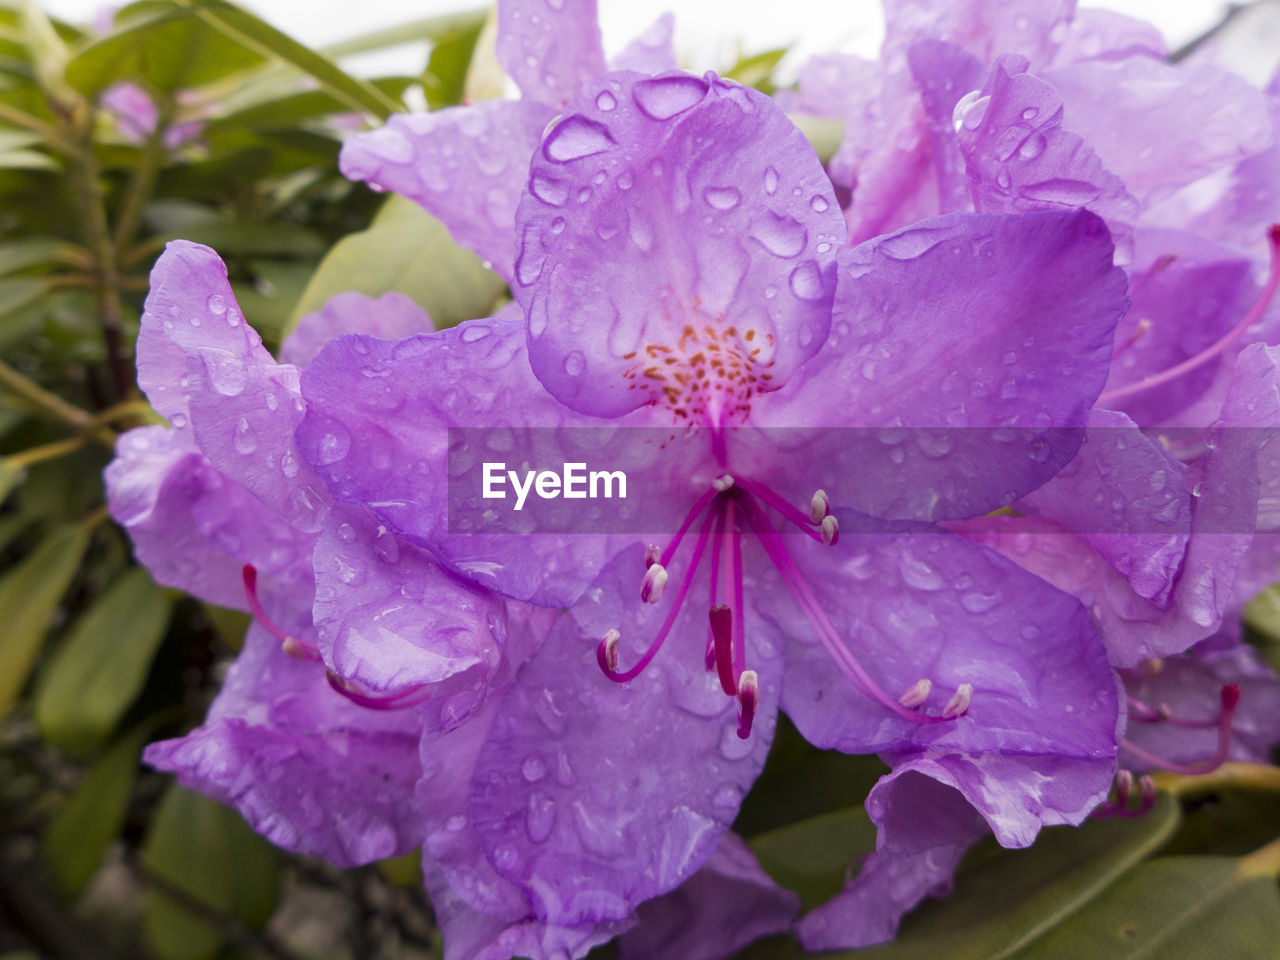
[[819, 506], [655, 584], [400, 700], [958, 705], [917, 693], [827, 633], [788, 511], [692, 515], [1140, 330], [735, 571], [722, 484], [293, 646], [1230, 699], [1234, 334], [717, 539], [722, 632], [1119, 807], [607, 652], [602, 656], [830, 530], [748, 698], [651, 555]]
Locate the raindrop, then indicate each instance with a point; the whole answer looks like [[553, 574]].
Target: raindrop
[[346, 533], [226, 372], [663, 97], [473, 332], [575, 363], [541, 817], [976, 602], [1032, 147], [289, 464], [722, 198], [551, 192], [819, 204], [334, 444], [770, 181], [217, 305], [576, 137], [1030, 113], [557, 226], [245, 441], [606, 101], [916, 573], [806, 281], [385, 546], [780, 235], [179, 420], [534, 768]]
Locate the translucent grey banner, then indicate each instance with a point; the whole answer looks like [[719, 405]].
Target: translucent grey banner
[[1095, 481]]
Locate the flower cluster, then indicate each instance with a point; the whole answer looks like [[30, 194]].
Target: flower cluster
[[960, 447]]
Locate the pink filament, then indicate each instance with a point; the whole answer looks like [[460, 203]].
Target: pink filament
[[309, 651], [1230, 700], [1204, 356], [625, 675], [788, 510]]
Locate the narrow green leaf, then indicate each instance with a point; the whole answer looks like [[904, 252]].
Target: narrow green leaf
[[11, 478], [408, 250], [97, 672], [431, 28], [91, 818], [1173, 908], [163, 43], [446, 76], [204, 848], [251, 239], [256, 34], [48, 52], [29, 595], [1005, 899], [28, 160], [811, 857], [24, 253], [757, 70]]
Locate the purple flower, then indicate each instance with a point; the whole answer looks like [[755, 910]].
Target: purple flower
[[677, 268], [136, 116], [467, 165]]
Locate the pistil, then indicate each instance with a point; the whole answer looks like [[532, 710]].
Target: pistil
[[1230, 700]]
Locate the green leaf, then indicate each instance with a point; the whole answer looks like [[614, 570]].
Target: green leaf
[[163, 43], [408, 250], [1006, 899], [251, 239], [256, 34], [446, 76], [27, 252], [91, 818], [205, 849], [757, 70], [100, 668], [1173, 908], [811, 857], [11, 478], [431, 28], [29, 595]]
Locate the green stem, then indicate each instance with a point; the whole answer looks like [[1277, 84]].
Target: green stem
[[144, 175], [1243, 776], [48, 451], [1263, 862], [52, 134], [49, 402]]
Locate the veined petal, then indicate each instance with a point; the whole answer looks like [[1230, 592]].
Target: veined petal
[[392, 316], [1097, 33], [652, 51], [676, 246], [464, 165], [592, 796], [549, 47], [296, 759], [1031, 28], [974, 345]]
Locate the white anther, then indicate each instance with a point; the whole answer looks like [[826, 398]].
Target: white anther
[[293, 647], [916, 694], [830, 530], [819, 506], [655, 584], [721, 484], [610, 641], [651, 555], [958, 705], [748, 697]]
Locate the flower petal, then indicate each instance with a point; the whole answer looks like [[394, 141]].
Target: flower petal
[[297, 760], [665, 217], [997, 322], [719, 910], [463, 165], [392, 316], [593, 796], [549, 47], [652, 51]]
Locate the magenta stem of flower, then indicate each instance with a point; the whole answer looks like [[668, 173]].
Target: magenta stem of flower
[[602, 653], [716, 541], [791, 512], [1230, 697], [803, 594], [735, 560], [669, 553], [1234, 334], [401, 700], [721, 618], [1141, 711], [294, 646]]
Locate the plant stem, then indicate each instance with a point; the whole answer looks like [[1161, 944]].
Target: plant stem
[[49, 402], [1244, 776], [144, 175], [47, 451], [1263, 862]]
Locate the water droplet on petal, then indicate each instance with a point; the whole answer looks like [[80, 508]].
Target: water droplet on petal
[[606, 101], [540, 819], [385, 546], [473, 332], [663, 97], [549, 191], [289, 465], [244, 439], [575, 363], [534, 768], [819, 204], [227, 373], [770, 181], [806, 281], [334, 444], [722, 198], [780, 235], [217, 305], [576, 137], [919, 574]]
